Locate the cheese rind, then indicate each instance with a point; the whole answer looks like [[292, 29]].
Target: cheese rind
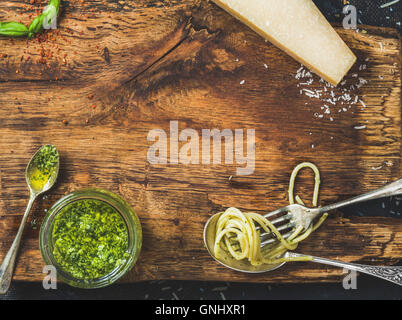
[[299, 28]]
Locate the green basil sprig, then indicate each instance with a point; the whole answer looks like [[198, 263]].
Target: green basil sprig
[[13, 29], [16, 29]]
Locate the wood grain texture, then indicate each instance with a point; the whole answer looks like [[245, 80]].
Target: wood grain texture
[[149, 62]]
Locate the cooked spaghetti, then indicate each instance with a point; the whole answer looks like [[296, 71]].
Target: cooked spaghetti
[[237, 232]]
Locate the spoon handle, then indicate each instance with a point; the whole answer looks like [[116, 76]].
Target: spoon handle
[[7, 267], [392, 274]]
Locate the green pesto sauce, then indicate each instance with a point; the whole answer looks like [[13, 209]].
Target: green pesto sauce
[[90, 239], [44, 165]]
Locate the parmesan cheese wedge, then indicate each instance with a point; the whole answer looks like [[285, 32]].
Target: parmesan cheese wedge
[[299, 28]]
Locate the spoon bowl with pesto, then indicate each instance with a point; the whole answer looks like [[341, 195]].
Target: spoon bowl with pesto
[[40, 174], [43, 169]]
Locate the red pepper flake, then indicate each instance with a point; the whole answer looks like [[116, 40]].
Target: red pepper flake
[[90, 96], [86, 121], [93, 106], [65, 122]]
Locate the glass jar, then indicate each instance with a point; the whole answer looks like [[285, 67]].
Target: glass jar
[[133, 228]]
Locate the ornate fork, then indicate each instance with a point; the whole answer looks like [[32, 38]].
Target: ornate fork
[[298, 215], [389, 273]]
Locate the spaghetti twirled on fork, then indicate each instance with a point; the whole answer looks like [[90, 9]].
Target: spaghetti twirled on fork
[[237, 232]]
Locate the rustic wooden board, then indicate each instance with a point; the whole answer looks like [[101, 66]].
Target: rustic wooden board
[[147, 63]]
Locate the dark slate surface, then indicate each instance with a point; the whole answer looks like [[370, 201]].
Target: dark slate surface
[[367, 287]]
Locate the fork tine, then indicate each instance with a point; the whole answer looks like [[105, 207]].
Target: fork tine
[[272, 240], [281, 228], [265, 234], [274, 213], [282, 219], [276, 221]]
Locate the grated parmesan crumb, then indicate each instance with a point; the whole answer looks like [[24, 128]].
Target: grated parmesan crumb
[[331, 97]]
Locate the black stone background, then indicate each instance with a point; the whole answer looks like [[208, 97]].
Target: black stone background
[[369, 12]]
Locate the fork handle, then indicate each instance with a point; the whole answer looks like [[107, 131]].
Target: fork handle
[[388, 190], [392, 274]]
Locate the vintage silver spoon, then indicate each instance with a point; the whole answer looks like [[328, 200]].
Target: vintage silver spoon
[[7, 267], [393, 274]]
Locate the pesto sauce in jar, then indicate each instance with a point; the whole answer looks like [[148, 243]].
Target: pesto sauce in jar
[[90, 239]]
